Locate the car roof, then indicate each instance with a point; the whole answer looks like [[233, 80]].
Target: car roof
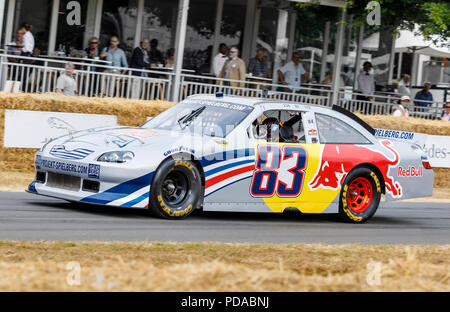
[[271, 104], [254, 101]]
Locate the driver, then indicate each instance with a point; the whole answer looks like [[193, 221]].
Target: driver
[[273, 129]]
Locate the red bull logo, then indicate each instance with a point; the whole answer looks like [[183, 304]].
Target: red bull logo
[[410, 171], [338, 159]]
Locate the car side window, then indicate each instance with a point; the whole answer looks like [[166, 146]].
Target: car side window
[[335, 131], [278, 126]]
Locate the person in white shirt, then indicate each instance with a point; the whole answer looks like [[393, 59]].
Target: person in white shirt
[[366, 86], [366, 82], [220, 59], [28, 40], [290, 74], [402, 109], [66, 84], [403, 88]]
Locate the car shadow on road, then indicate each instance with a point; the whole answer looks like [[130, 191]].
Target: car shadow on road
[[121, 212], [108, 211], [290, 216]]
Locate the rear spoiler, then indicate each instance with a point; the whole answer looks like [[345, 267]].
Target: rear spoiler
[[349, 114]]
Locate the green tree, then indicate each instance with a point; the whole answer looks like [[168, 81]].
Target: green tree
[[432, 17]]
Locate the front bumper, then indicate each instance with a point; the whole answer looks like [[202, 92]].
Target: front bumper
[[118, 185]]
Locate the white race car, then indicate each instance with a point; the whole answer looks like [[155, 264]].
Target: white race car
[[235, 154]]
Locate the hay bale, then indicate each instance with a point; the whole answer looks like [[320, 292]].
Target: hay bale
[[129, 112], [411, 124]]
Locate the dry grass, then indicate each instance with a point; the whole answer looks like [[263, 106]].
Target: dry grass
[[142, 266], [15, 180]]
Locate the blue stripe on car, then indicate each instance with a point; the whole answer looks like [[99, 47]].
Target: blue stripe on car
[[218, 169], [120, 191], [131, 186], [227, 185], [32, 187], [133, 202], [61, 152]]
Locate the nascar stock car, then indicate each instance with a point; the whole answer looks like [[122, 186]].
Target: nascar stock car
[[225, 153]]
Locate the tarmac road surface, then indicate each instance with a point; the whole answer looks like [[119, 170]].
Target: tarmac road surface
[[29, 217]]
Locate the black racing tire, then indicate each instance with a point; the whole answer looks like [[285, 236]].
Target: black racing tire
[[176, 189], [360, 195]]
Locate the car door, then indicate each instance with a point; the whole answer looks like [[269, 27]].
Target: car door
[[283, 168]]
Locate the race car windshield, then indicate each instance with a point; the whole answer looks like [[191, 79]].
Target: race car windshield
[[212, 118]]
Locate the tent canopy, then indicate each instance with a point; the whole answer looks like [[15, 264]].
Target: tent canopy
[[408, 41]]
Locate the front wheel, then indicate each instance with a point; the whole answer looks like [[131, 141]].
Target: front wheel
[[360, 195], [176, 189]]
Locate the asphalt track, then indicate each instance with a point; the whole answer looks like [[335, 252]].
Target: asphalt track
[[29, 217]]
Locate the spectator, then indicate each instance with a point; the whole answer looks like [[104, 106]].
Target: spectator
[[156, 57], [15, 47], [37, 53], [290, 74], [115, 55], [329, 79], [395, 98], [28, 40], [170, 57], [220, 59], [403, 88], [234, 69], [366, 86], [66, 84], [402, 109], [140, 58], [257, 66], [446, 115], [424, 95], [366, 83], [92, 51], [394, 88]]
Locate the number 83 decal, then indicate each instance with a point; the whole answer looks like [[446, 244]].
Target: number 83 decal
[[279, 169]]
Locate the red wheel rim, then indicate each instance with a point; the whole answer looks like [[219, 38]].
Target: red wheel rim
[[359, 195]]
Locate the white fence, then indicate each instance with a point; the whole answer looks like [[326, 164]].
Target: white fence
[[37, 76], [92, 79]]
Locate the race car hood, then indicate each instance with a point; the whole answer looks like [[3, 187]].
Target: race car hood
[[96, 141]]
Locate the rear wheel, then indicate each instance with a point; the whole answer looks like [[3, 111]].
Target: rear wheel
[[360, 195], [176, 189]]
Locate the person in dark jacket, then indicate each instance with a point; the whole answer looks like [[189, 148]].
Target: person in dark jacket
[[156, 57], [140, 58], [92, 52]]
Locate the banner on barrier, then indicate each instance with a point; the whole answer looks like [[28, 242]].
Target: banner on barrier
[[438, 150], [437, 147], [32, 129]]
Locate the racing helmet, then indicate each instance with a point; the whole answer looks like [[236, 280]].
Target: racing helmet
[[273, 128]]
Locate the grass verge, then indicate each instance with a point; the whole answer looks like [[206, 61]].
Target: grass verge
[[144, 266]]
